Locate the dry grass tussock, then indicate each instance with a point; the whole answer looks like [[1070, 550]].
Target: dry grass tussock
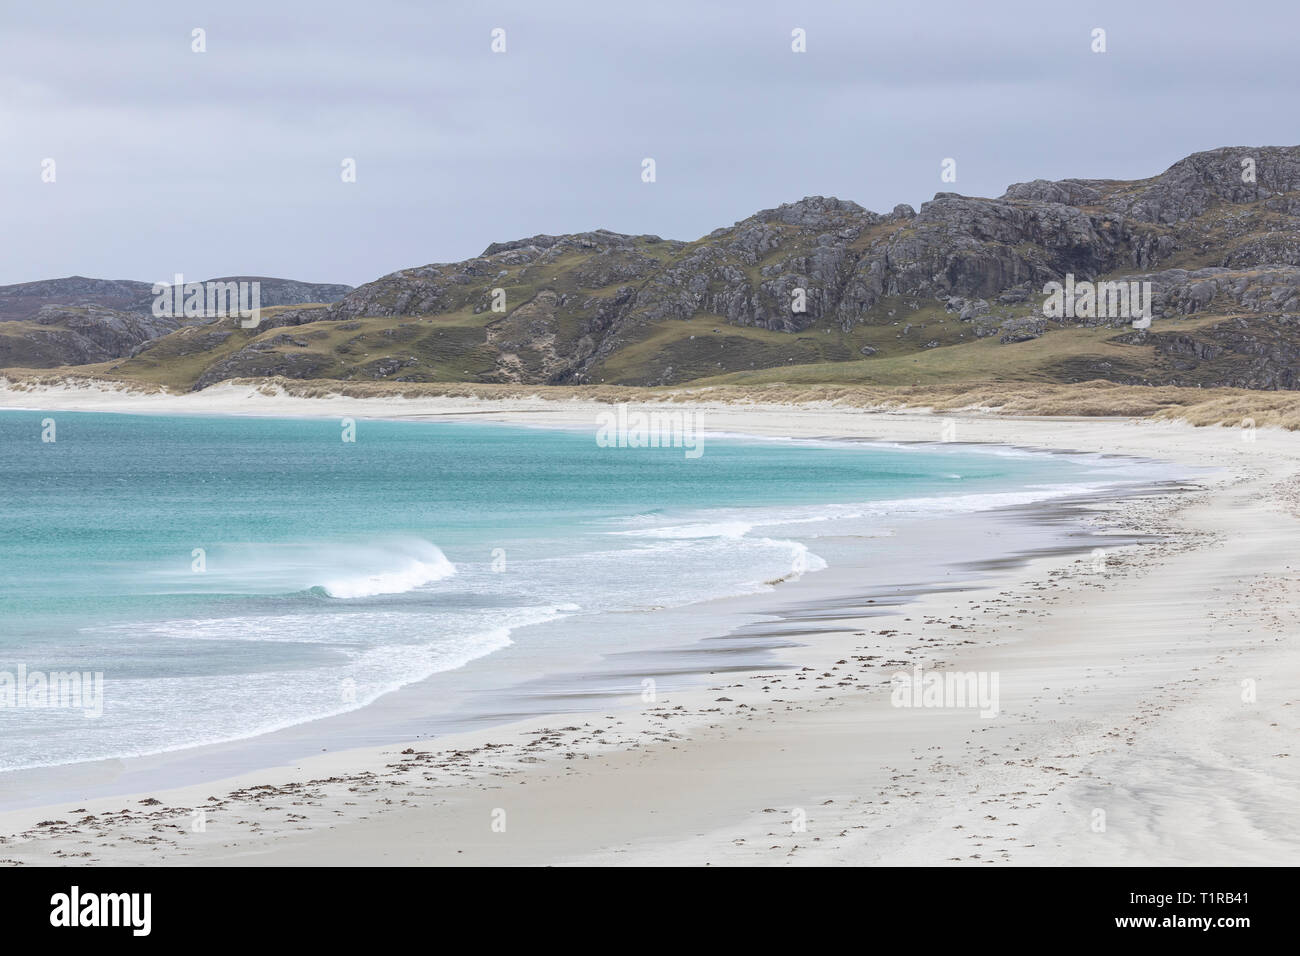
[[1197, 406]]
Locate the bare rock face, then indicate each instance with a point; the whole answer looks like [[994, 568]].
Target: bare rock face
[[114, 333], [525, 340], [78, 335], [1188, 189], [1069, 192], [22, 301], [1021, 330], [277, 355], [1182, 293]]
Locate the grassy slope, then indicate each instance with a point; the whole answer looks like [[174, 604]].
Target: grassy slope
[[445, 348], [704, 350], [705, 346], [1049, 358], [19, 346], [913, 345]]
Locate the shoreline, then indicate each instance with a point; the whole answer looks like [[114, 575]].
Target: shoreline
[[373, 725], [700, 734], [748, 632]]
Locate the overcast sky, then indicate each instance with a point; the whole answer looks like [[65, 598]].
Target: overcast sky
[[228, 162]]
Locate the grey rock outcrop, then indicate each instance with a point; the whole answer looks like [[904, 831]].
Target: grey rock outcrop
[[78, 335]]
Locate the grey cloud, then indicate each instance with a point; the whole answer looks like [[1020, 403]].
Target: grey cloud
[[228, 162]]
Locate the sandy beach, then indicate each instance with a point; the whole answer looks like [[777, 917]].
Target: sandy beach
[[1148, 705]]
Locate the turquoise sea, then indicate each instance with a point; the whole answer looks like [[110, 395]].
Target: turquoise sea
[[229, 576]]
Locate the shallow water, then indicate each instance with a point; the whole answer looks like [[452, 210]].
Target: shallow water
[[232, 576]]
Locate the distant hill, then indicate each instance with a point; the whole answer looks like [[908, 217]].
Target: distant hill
[[76, 321], [952, 292], [24, 300]]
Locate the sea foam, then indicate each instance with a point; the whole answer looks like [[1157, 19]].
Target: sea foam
[[412, 574]]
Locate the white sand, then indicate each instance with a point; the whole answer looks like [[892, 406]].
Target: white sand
[[1121, 692]]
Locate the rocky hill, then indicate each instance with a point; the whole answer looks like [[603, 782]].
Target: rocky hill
[[24, 300], [78, 321], [78, 335], [824, 290]]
